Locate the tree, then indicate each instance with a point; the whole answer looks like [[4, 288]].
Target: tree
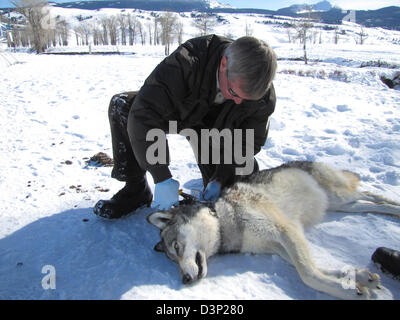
[[112, 27], [248, 30], [84, 31], [96, 34], [205, 23], [336, 36], [179, 32], [361, 36], [303, 32], [123, 23], [104, 31], [10, 40], [51, 36], [156, 31], [36, 13], [149, 29], [289, 34], [168, 22], [63, 31], [132, 23], [142, 32]]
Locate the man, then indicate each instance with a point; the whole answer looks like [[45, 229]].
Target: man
[[208, 82]]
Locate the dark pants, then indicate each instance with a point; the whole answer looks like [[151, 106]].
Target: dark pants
[[126, 167]]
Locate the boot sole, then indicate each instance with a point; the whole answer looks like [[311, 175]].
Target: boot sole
[[107, 213]]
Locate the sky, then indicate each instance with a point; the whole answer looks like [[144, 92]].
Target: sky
[[344, 4], [274, 4]]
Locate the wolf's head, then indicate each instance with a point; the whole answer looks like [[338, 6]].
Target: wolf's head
[[189, 236]]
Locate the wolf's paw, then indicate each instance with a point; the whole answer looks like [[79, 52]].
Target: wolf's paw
[[366, 284], [367, 279], [360, 284]]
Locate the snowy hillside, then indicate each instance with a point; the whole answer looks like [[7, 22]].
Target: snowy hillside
[[54, 118], [215, 4]]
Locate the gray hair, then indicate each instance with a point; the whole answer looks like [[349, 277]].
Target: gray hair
[[254, 62]]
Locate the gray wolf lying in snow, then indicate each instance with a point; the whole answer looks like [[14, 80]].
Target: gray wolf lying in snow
[[266, 213]]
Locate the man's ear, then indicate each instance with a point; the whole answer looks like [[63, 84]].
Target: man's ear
[[159, 219], [224, 63]]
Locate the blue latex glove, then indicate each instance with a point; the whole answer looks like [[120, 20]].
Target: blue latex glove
[[212, 191], [166, 194]]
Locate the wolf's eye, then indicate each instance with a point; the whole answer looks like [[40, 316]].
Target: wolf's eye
[[176, 247]]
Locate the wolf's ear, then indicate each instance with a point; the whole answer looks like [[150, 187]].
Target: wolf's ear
[[159, 247], [159, 219]]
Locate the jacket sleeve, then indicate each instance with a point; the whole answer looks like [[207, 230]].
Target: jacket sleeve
[[259, 122], [155, 105]]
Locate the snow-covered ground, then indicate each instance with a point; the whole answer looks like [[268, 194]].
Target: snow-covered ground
[[54, 117]]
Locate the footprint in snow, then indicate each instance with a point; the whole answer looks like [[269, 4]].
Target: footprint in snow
[[320, 108], [331, 131], [290, 151], [354, 142], [334, 150], [343, 108]]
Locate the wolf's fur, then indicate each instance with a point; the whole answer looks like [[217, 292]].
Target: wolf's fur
[[266, 213]]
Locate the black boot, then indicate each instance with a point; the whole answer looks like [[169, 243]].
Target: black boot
[[127, 200], [388, 259]]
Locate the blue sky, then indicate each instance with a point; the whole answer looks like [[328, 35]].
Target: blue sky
[[274, 4], [344, 4]]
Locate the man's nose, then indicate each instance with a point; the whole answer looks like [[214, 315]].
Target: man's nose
[[238, 100]]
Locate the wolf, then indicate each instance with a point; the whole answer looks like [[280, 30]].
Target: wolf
[[266, 213]]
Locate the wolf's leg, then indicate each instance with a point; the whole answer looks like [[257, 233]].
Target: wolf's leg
[[280, 251], [294, 243], [336, 273], [371, 203], [378, 199], [363, 276]]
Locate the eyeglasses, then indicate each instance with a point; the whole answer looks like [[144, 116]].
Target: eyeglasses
[[231, 92], [234, 94]]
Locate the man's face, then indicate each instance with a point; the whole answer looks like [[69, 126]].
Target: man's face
[[230, 89]]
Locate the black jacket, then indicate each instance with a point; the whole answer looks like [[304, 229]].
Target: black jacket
[[182, 88]]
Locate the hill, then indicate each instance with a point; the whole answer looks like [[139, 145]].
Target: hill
[[388, 18], [153, 5]]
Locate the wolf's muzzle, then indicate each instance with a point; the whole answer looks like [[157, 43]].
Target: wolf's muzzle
[[187, 278]]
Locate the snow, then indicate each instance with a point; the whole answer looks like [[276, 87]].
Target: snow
[[54, 117], [215, 4]]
